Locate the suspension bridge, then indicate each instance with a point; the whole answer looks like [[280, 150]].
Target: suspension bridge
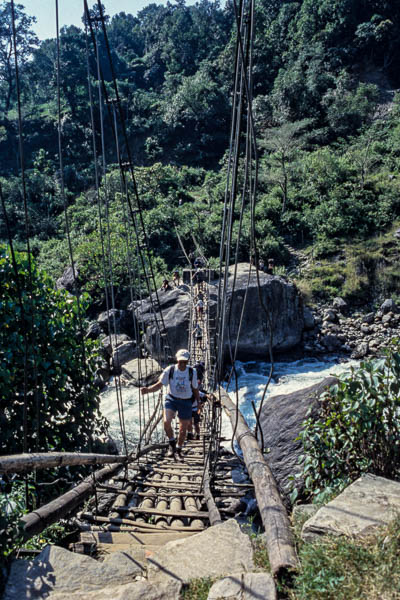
[[143, 497]]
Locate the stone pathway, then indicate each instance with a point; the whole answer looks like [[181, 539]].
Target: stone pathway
[[223, 551]]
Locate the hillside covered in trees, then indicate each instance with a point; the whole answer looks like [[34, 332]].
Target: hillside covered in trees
[[325, 108]]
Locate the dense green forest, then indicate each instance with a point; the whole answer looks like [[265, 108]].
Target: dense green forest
[[325, 108]]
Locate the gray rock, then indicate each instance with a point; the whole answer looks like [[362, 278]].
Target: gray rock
[[175, 312], [139, 590], [368, 503], [114, 341], [67, 280], [94, 331], [281, 421], [214, 552], [116, 321], [284, 303], [389, 305], [56, 569], [330, 315], [244, 586], [360, 351], [340, 304], [123, 354], [141, 371], [397, 233], [102, 374], [331, 342], [281, 297], [369, 318], [387, 318], [309, 321], [365, 329]]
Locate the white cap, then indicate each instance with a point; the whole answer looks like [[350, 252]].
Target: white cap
[[182, 355]]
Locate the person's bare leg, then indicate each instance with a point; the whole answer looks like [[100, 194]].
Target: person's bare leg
[[183, 427], [169, 415]]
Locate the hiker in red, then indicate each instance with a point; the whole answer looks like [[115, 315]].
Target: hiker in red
[[181, 381]]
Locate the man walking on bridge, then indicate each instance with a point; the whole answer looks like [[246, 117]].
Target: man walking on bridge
[[182, 384]]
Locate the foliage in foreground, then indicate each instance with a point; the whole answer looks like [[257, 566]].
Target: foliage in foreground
[[48, 400], [342, 568], [358, 429]]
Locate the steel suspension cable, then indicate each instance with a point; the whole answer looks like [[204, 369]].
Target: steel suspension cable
[[131, 170]]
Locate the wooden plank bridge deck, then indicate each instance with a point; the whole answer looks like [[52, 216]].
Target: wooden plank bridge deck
[[155, 501]]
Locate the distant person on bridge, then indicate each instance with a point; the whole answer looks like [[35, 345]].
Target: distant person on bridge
[[181, 381], [198, 262], [176, 279], [271, 266], [198, 333], [199, 307]]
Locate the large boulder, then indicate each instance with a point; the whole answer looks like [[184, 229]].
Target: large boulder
[[117, 321], [67, 280], [285, 312], [122, 354], [280, 297], [365, 505], [141, 371], [217, 551], [61, 574], [109, 343], [388, 305], [281, 421], [174, 313]]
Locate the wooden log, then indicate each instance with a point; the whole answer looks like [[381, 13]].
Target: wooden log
[[278, 534], [215, 516], [163, 494], [194, 514], [169, 485], [55, 510], [19, 463], [132, 523]]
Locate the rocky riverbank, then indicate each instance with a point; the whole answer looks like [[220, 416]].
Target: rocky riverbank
[[340, 329]]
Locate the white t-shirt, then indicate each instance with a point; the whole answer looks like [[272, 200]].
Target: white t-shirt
[[179, 384]]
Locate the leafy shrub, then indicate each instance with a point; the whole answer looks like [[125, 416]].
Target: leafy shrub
[[46, 387], [358, 429]]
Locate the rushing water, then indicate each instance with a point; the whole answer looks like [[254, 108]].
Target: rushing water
[[252, 378]]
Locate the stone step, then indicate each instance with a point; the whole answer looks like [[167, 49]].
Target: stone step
[[132, 539], [139, 554]]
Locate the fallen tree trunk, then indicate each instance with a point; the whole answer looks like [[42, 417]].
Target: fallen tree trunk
[[278, 534], [19, 463], [55, 510]]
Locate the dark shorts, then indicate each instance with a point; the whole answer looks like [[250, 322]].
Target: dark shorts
[[183, 407], [196, 417]]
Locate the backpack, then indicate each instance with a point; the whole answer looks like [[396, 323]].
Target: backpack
[[171, 374]]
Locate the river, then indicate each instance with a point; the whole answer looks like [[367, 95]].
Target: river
[[252, 378]]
